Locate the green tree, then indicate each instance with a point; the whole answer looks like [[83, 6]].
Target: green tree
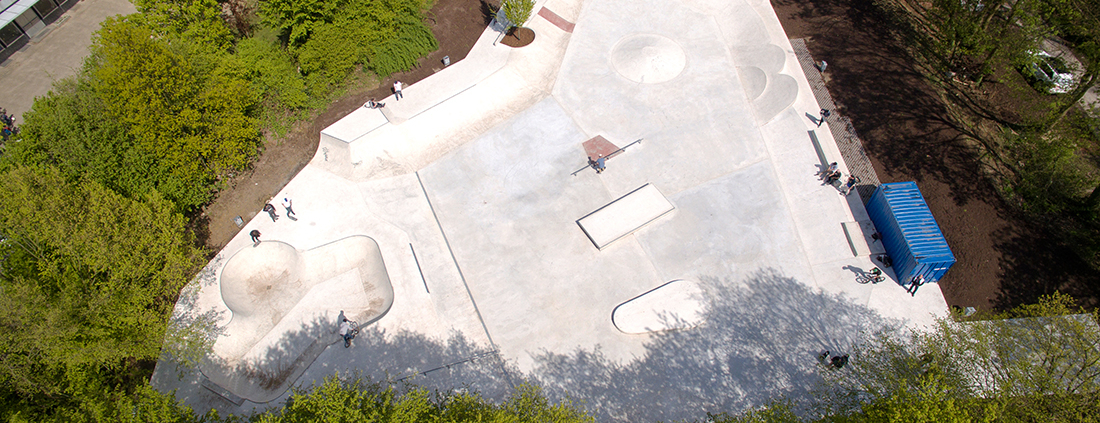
[[1045, 355], [199, 126], [297, 19], [67, 129], [270, 71], [518, 11], [197, 20], [87, 283], [356, 400]]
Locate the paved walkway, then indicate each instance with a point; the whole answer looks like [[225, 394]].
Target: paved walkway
[[31, 72], [851, 148]]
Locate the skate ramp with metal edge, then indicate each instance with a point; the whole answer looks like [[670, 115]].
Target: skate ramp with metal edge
[[285, 304], [625, 215]]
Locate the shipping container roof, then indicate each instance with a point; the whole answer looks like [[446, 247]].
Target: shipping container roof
[[918, 226]]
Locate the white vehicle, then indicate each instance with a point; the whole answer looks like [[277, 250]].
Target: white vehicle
[[1052, 73]]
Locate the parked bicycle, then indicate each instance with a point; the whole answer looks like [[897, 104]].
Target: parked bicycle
[[873, 277]]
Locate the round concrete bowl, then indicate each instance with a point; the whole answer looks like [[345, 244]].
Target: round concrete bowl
[[648, 58], [284, 304]]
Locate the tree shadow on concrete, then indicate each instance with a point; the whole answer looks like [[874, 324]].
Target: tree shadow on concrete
[[760, 339], [306, 356]]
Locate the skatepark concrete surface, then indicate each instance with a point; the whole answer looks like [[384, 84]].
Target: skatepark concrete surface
[[465, 189]]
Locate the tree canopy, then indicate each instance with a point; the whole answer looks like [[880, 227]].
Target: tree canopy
[[88, 279]]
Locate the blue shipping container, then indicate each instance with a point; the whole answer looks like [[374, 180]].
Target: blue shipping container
[[910, 234]]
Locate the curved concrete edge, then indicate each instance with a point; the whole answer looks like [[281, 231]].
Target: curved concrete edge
[[769, 57], [754, 80], [675, 305], [780, 94], [273, 360]]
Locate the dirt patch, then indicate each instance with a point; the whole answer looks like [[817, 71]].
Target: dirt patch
[[457, 24], [519, 37], [1003, 260]]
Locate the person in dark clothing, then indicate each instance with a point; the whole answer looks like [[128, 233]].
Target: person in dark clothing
[[270, 209], [840, 361], [255, 234]]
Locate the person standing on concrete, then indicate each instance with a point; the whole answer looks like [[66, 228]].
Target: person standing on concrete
[[255, 234], [824, 114], [288, 205], [346, 332], [270, 209], [397, 90]]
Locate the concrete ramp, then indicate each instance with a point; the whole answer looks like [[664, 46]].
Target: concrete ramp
[[625, 215], [356, 124]]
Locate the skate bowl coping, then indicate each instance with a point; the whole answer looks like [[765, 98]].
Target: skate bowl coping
[[284, 304]]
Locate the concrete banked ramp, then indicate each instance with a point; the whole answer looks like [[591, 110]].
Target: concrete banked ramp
[[285, 304]]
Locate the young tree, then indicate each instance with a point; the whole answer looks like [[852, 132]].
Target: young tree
[[518, 11]]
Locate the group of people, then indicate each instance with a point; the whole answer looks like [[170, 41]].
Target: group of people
[[8, 122], [288, 204], [397, 94], [832, 174]]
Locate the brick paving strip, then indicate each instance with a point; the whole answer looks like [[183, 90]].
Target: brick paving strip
[[558, 21], [851, 148]]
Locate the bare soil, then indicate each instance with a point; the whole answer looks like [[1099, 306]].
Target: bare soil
[[456, 24], [519, 37], [1003, 259]]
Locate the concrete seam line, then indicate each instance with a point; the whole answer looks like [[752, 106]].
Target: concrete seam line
[[496, 350]]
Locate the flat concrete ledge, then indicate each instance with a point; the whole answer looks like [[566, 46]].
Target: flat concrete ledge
[[625, 215], [356, 124], [860, 240], [675, 305]]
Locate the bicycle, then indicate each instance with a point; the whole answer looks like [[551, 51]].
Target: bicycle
[[353, 330], [872, 277]]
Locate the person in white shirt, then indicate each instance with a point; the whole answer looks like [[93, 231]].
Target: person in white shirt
[[346, 332], [397, 90]]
